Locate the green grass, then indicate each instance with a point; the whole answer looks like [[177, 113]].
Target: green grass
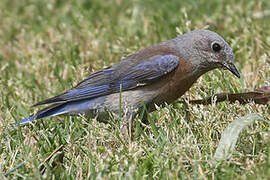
[[46, 47]]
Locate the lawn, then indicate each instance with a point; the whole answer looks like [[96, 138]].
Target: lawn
[[47, 47]]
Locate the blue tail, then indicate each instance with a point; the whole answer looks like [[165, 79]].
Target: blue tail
[[75, 107], [53, 110], [26, 120]]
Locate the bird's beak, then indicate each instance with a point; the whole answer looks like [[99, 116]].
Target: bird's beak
[[231, 67]]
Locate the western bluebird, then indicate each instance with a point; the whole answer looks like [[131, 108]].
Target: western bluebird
[[153, 76]]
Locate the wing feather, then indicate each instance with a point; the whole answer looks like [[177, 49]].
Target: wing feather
[[109, 80]]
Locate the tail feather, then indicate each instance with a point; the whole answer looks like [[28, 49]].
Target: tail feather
[[26, 120], [75, 107], [50, 111]]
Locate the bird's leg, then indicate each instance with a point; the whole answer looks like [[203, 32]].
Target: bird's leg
[[144, 117], [127, 123], [130, 126]]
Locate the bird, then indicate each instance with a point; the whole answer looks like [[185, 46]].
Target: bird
[[150, 77]]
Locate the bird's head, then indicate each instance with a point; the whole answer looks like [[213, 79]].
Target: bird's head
[[211, 51]]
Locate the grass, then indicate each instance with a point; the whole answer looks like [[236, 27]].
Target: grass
[[47, 47]]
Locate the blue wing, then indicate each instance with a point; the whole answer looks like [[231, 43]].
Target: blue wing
[[111, 79]]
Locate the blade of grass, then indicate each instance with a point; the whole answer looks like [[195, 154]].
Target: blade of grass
[[230, 135]]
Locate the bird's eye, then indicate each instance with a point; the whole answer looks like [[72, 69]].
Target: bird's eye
[[216, 47]]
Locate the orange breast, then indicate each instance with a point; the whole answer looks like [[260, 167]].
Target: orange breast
[[175, 84]]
